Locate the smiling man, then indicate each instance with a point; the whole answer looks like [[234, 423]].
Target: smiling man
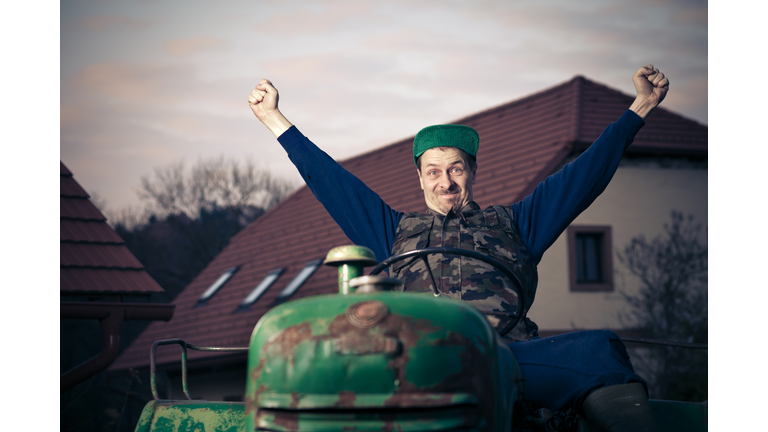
[[446, 173], [586, 371]]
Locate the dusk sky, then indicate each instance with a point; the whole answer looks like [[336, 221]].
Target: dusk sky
[[144, 84]]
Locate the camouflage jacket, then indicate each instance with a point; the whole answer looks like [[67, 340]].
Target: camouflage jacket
[[490, 232]]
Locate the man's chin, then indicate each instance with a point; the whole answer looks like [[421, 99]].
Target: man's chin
[[455, 207], [445, 206]]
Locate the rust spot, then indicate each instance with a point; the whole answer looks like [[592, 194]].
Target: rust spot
[[346, 399], [295, 398], [250, 405], [262, 388], [251, 402], [257, 371], [409, 400], [286, 340], [357, 344], [288, 420]]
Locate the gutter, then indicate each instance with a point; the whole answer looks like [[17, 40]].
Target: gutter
[[111, 317]]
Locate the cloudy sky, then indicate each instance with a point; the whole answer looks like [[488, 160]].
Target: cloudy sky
[[147, 83]]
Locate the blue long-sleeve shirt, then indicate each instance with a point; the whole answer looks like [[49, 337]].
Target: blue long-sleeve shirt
[[540, 217]]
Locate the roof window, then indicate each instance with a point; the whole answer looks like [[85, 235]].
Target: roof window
[[216, 285], [260, 288], [303, 275]]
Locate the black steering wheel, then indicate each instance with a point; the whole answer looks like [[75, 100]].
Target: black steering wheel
[[423, 253]]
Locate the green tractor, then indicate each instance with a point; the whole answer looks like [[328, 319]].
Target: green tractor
[[374, 358]]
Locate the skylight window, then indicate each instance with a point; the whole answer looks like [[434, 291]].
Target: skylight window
[[216, 285], [260, 288], [303, 275]]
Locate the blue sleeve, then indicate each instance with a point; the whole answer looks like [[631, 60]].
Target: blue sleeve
[[544, 214], [359, 211]]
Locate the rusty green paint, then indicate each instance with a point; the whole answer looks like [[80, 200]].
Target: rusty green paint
[[192, 416], [300, 359], [311, 355]]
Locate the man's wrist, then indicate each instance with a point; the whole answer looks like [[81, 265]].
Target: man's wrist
[[642, 107], [276, 123]]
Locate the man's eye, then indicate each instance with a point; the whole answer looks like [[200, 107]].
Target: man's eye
[[457, 170], [433, 173]]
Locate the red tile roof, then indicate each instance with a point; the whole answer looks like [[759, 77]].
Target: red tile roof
[[522, 142], [94, 258]]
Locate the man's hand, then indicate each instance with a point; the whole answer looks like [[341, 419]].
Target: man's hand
[[263, 101], [651, 86]]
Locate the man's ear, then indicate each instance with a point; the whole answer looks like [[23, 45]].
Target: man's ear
[[421, 180], [474, 174]]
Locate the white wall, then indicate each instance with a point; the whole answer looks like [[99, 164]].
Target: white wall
[[638, 200]]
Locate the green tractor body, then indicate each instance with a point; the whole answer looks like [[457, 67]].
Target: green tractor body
[[384, 360]]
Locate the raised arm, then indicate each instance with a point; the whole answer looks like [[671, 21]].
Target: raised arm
[[363, 216], [555, 202]]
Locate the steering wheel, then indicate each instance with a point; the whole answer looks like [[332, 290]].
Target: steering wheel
[[423, 253]]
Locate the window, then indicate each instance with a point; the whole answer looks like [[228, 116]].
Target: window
[[216, 285], [260, 288], [590, 258], [303, 275]]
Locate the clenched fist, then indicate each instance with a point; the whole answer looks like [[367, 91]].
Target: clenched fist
[[651, 86], [263, 99], [263, 102]]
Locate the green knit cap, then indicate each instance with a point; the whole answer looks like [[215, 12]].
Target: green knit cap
[[459, 136]]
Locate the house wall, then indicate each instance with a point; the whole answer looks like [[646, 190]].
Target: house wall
[[639, 200]]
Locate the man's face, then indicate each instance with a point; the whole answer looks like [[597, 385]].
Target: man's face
[[446, 179]]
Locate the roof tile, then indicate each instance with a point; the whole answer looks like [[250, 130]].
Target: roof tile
[[70, 188], [79, 208], [97, 255], [93, 258], [88, 231], [87, 280]]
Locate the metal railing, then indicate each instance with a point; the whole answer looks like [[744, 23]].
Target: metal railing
[[184, 345]]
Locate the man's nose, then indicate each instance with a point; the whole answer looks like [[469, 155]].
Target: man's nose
[[446, 181]]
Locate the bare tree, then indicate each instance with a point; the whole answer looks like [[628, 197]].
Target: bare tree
[[671, 304], [210, 184], [128, 217], [190, 215]]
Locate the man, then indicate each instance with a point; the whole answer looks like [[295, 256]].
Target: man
[[587, 371]]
